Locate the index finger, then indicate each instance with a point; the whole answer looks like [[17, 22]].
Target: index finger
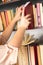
[[20, 8]]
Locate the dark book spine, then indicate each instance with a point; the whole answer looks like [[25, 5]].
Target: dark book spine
[[29, 10]]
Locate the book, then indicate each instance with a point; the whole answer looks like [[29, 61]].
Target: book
[[35, 16], [23, 56], [40, 47], [9, 16], [29, 56], [41, 12], [39, 55], [32, 55], [36, 56], [28, 39], [38, 14], [3, 19], [10, 0], [1, 25], [29, 10], [12, 14], [6, 17]]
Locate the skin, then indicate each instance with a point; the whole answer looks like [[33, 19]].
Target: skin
[[18, 37]]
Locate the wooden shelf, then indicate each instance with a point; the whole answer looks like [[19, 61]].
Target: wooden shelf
[[38, 34], [12, 4], [35, 1]]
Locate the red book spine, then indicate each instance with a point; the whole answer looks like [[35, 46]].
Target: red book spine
[[36, 57], [6, 17], [29, 10]]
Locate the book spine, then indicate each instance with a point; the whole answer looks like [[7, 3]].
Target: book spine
[[32, 55], [38, 14], [6, 17], [29, 10], [41, 11], [12, 14], [9, 16], [3, 19], [29, 58], [1, 25], [36, 56], [39, 55], [35, 16], [23, 56]]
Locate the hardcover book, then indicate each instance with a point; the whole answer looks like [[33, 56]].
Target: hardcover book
[[29, 10]]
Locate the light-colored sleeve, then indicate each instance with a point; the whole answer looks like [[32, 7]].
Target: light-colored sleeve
[[13, 55], [9, 53], [3, 52]]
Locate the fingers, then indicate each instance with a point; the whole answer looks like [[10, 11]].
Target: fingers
[[16, 8], [28, 15], [29, 19], [19, 9]]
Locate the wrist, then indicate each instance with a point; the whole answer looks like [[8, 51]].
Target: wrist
[[14, 20], [22, 27]]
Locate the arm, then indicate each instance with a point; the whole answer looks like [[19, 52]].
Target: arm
[[7, 32], [18, 37]]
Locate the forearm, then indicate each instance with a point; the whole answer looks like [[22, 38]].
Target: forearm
[[18, 37], [7, 32]]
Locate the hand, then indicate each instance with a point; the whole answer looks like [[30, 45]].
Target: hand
[[18, 13], [25, 20]]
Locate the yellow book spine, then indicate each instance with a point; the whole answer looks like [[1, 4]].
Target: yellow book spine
[[3, 19]]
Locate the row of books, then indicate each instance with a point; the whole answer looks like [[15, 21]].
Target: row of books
[[4, 1], [5, 19], [30, 54], [36, 11]]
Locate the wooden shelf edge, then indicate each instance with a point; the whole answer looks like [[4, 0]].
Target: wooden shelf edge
[[12, 4]]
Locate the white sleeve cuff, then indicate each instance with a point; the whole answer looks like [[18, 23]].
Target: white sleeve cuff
[[13, 56], [12, 47]]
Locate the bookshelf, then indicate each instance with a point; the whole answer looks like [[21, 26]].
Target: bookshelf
[[37, 32], [11, 4]]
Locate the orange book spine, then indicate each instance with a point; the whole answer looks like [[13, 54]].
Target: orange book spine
[[1, 25], [32, 55], [6, 17], [39, 55], [9, 15]]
